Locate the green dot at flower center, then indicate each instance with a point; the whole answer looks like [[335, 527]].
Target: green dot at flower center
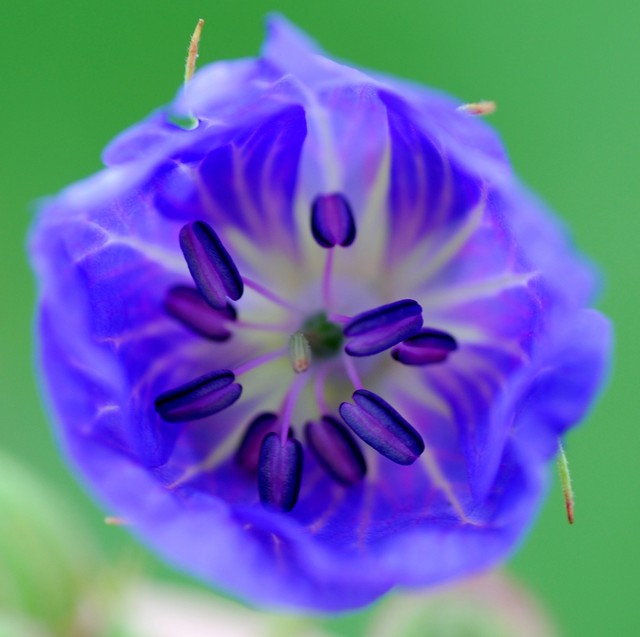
[[324, 336]]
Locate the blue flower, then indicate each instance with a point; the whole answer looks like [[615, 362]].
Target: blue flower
[[324, 343]]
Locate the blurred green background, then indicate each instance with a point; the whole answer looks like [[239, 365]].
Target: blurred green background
[[565, 77]]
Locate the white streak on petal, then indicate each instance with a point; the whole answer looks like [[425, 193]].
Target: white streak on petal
[[440, 481], [415, 274], [218, 454], [320, 132], [374, 224], [442, 298]]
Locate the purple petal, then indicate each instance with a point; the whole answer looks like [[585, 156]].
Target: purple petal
[[451, 227], [332, 221], [211, 266], [429, 191], [279, 472], [571, 372], [186, 304], [336, 450], [382, 427], [250, 178], [199, 398], [376, 330], [425, 348]]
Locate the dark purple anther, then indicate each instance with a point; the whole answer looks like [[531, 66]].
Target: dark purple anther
[[187, 305], [336, 450], [376, 330], [332, 221], [427, 347], [279, 472], [199, 398], [382, 427], [211, 266], [248, 454]]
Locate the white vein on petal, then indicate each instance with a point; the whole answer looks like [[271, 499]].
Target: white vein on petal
[[408, 382], [330, 159], [374, 223], [418, 269], [441, 482], [471, 334], [446, 297], [220, 452], [170, 260]]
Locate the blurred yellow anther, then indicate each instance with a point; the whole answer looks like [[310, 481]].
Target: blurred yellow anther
[[112, 520], [299, 353], [565, 480], [192, 56], [478, 108]]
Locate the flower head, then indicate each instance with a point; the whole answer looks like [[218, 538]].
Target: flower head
[[323, 343]]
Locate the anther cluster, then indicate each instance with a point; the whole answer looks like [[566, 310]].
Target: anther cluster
[[272, 447]]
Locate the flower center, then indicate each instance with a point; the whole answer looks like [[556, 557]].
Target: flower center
[[325, 337], [325, 343]]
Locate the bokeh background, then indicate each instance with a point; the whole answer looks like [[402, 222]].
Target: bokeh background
[[565, 77]]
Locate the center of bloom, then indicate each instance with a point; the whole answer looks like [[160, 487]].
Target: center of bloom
[[325, 345], [325, 337]]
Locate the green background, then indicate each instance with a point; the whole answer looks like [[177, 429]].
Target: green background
[[564, 74]]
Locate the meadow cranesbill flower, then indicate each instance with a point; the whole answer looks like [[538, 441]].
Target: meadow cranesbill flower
[[320, 342]]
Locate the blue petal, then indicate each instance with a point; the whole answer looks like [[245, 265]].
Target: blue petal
[[571, 373], [467, 241]]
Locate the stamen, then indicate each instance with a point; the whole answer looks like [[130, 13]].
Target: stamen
[[264, 327], [268, 294], [199, 398], [377, 423], [318, 389], [186, 304], [258, 361], [299, 353], [378, 329], [332, 221], [114, 520], [352, 372], [565, 480], [248, 454], [289, 403], [425, 348], [279, 472], [326, 280], [336, 450], [212, 268]]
